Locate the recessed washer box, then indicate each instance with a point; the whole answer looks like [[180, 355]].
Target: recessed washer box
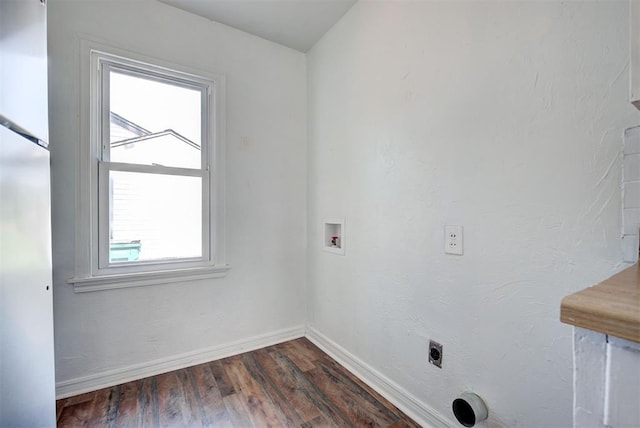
[[333, 235]]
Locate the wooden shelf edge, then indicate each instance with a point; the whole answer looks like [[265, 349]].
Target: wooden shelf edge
[[611, 307]]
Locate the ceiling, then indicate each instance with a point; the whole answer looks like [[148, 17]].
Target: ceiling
[[298, 24]]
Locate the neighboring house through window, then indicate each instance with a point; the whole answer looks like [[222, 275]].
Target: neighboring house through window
[[151, 196]]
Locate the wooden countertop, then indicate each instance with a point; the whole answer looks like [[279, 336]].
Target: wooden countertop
[[611, 307]]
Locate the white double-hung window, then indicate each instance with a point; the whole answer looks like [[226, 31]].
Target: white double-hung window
[[152, 187]]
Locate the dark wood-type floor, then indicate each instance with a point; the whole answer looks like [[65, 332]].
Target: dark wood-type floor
[[293, 384]]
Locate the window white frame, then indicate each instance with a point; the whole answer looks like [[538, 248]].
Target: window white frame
[[93, 271]]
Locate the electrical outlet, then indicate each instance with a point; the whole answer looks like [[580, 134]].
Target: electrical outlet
[[453, 240], [435, 353]]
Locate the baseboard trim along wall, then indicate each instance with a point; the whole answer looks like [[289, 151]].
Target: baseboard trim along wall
[[109, 378], [401, 398]]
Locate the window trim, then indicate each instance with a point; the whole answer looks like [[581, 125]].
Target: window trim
[[88, 273]]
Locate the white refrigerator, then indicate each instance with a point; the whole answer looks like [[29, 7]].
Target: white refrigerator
[[27, 374]]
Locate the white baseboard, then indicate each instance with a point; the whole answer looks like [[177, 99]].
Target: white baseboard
[[420, 412], [109, 378]]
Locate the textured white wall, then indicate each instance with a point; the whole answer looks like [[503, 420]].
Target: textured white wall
[[631, 193], [504, 117], [266, 187]]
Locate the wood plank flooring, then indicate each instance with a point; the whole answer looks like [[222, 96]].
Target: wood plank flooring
[[292, 384]]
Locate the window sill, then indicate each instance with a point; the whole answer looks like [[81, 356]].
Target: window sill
[[109, 282]]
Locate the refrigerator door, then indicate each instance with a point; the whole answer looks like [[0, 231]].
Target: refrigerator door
[[27, 379], [23, 66]]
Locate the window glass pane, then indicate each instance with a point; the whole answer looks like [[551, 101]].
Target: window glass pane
[[154, 217], [154, 122]]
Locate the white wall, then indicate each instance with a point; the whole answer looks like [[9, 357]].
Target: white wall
[[504, 117], [631, 193], [606, 380], [266, 187]]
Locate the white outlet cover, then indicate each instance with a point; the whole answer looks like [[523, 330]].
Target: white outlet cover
[[453, 242]]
